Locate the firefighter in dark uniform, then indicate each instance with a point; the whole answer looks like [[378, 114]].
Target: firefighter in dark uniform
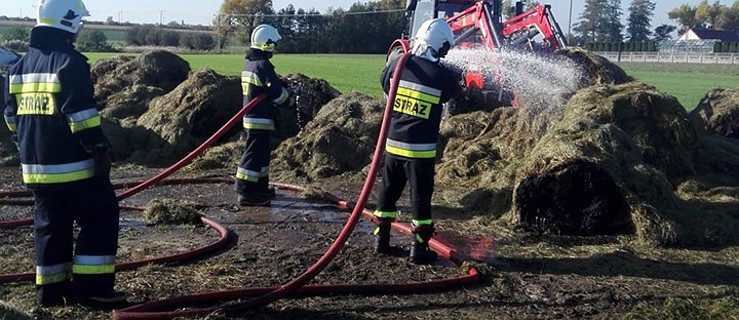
[[52, 114], [259, 77], [411, 143]]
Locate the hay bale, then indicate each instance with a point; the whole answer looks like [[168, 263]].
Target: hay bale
[[641, 140], [718, 112], [171, 212], [597, 69], [340, 139], [182, 119]]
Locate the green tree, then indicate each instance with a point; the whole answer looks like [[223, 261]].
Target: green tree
[[240, 17], [17, 33], [685, 17], [590, 25], [640, 20], [663, 32], [93, 40], [707, 14], [614, 27], [728, 18]]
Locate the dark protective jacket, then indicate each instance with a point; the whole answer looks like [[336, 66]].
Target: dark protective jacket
[[50, 107], [259, 77], [414, 126]]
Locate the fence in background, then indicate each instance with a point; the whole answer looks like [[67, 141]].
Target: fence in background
[[672, 57]]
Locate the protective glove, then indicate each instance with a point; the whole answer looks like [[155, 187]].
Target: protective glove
[[102, 164]]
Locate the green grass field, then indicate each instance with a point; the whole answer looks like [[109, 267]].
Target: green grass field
[[688, 82]]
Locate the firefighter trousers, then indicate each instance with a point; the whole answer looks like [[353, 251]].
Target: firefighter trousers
[[419, 173], [252, 176], [91, 203]]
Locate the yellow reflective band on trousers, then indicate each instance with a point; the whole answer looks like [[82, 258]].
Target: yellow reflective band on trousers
[[85, 119], [57, 173], [251, 175], [386, 214], [418, 223], [411, 150], [93, 264], [53, 274], [99, 269]]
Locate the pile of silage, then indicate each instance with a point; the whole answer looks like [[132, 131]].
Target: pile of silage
[[341, 138], [308, 95], [597, 69], [718, 112], [124, 86], [611, 166], [181, 120]]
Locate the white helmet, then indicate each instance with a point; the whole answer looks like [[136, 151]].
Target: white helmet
[[61, 14], [264, 37], [433, 40]]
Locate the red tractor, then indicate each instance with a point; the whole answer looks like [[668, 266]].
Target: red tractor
[[479, 23]]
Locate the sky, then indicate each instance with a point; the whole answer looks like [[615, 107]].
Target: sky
[[203, 11]]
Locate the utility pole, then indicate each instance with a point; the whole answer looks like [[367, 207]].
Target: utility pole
[[569, 27], [161, 17]]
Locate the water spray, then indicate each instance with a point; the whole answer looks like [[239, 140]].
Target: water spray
[[544, 82]]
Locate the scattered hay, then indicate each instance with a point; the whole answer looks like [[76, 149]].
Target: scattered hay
[[340, 139], [224, 156], [171, 212], [718, 112], [597, 69], [676, 308], [8, 312]]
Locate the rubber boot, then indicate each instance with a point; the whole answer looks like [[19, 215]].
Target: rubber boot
[[420, 251], [382, 234]]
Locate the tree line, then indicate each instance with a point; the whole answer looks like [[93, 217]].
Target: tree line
[[600, 20], [363, 28]]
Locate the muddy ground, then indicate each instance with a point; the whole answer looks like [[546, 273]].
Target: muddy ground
[[529, 276]]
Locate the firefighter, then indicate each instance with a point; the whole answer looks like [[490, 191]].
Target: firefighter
[[410, 150], [63, 154], [259, 77]]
